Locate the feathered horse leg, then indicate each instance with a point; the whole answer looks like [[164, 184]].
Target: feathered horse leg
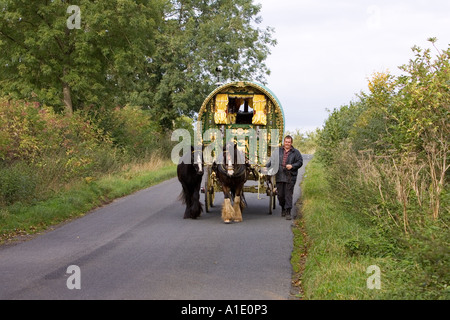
[[227, 211], [227, 208], [232, 177], [237, 217]]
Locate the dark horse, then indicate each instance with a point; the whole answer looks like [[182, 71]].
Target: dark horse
[[190, 173], [232, 175]]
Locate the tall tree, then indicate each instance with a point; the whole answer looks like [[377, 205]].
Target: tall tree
[[196, 37], [47, 57]]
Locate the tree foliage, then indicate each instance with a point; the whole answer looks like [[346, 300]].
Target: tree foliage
[[387, 158], [195, 38], [159, 54], [46, 61], [401, 128]]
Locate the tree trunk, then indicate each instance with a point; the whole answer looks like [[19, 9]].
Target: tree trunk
[[67, 100], [67, 97]]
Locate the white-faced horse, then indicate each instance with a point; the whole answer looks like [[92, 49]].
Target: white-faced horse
[[232, 175]]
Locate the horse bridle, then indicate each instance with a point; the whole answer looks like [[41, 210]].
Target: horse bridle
[[239, 172], [198, 165], [241, 168]]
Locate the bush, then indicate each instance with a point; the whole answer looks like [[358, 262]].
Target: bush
[[337, 128], [17, 182], [395, 143], [387, 157], [133, 131], [306, 142], [31, 133], [41, 150]]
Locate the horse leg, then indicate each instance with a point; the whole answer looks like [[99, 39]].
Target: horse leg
[[196, 206], [188, 199], [243, 202], [238, 204], [237, 217], [227, 209]]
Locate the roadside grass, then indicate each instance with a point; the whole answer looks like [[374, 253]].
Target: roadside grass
[[326, 240], [78, 198]]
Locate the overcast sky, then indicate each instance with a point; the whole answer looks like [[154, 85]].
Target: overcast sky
[[328, 48]]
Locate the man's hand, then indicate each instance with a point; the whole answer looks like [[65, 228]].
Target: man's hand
[[289, 166]]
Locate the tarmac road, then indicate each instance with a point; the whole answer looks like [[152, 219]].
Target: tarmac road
[[140, 247]]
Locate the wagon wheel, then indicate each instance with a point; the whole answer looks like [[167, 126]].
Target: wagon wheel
[[211, 196], [272, 195], [207, 197], [209, 192], [271, 203]]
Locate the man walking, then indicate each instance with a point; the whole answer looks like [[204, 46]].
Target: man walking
[[290, 161]]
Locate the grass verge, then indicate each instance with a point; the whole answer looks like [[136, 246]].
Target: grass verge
[[325, 267], [21, 220]]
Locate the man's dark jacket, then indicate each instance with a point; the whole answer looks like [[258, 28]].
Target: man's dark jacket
[[295, 159]]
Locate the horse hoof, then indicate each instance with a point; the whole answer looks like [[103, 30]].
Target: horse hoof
[[227, 221], [237, 220]]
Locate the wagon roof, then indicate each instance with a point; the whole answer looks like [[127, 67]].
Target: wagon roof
[[241, 85]]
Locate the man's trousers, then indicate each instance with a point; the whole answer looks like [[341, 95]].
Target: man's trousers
[[285, 192]]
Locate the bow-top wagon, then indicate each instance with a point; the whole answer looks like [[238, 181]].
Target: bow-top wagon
[[251, 116]]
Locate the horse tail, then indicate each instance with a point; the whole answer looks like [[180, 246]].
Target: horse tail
[[182, 197], [197, 208]]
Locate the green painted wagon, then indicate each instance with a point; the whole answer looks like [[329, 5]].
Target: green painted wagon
[[252, 115]]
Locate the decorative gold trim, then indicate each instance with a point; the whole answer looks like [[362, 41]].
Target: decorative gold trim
[[243, 84]]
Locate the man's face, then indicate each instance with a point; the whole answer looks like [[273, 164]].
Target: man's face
[[287, 143]]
